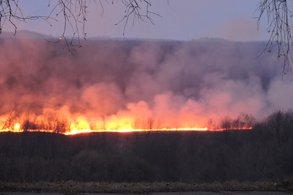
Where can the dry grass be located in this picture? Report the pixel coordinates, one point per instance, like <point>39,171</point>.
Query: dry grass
<point>70,187</point>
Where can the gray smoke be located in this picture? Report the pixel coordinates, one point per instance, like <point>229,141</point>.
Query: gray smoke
<point>173,83</point>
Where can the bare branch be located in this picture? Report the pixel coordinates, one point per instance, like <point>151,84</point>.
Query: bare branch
<point>137,10</point>
<point>280,37</point>
<point>73,14</point>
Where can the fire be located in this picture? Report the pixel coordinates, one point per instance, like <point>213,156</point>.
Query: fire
<point>80,124</point>
<point>16,127</point>
<point>146,86</point>
<point>123,124</point>
<point>115,123</point>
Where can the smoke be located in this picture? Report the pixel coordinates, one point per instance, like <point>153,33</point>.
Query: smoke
<point>241,29</point>
<point>151,84</point>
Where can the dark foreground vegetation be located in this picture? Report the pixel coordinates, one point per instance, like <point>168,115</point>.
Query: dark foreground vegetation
<point>263,154</point>
<point>73,187</point>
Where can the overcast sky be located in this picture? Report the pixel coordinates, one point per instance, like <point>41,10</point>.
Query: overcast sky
<point>180,20</point>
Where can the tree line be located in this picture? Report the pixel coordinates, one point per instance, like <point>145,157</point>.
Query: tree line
<point>264,153</point>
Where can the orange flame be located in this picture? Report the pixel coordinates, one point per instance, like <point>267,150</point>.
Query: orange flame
<point>82,125</point>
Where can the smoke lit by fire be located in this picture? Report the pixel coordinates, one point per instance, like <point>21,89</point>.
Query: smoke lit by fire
<point>129,86</point>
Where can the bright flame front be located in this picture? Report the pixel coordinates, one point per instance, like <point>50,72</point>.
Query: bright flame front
<point>121,124</point>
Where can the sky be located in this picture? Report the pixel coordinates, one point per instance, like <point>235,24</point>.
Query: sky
<point>178,20</point>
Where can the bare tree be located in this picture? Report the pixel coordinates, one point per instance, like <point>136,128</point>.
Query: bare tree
<point>278,17</point>
<point>74,14</point>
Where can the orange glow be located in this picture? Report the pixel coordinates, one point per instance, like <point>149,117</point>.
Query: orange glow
<point>16,127</point>
<point>73,125</point>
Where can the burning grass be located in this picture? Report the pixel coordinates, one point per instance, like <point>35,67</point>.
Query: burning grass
<point>130,124</point>
<point>146,86</point>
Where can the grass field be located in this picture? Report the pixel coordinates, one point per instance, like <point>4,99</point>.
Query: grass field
<point>150,162</point>
<point>70,187</point>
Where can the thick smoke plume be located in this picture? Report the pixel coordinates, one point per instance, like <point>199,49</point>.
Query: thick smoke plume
<point>137,84</point>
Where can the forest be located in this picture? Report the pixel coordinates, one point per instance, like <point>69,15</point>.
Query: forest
<point>261,154</point>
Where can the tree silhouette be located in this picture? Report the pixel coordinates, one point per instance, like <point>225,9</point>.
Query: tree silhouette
<point>73,13</point>
<point>278,17</point>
